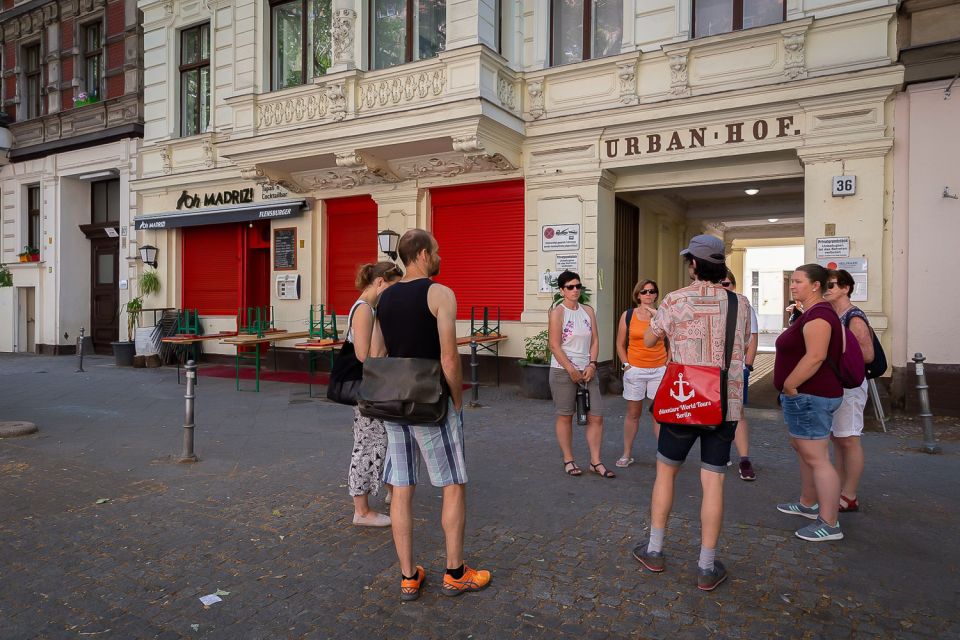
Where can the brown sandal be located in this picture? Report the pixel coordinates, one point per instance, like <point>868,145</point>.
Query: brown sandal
<point>574,469</point>
<point>606,473</point>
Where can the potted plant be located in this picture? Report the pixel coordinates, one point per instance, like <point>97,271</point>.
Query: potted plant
<point>6,278</point>
<point>536,366</point>
<point>144,337</point>
<point>124,351</point>
<point>29,254</point>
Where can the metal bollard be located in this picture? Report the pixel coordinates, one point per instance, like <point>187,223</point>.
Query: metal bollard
<point>80,350</point>
<point>188,455</point>
<point>474,379</point>
<point>929,444</point>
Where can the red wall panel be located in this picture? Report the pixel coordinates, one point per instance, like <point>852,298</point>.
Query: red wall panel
<point>351,242</point>
<point>480,232</point>
<point>212,268</point>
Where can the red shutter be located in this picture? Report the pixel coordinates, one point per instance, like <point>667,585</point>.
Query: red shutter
<point>480,232</point>
<point>351,242</point>
<point>212,270</point>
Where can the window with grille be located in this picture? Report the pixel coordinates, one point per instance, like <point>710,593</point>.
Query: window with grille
<point>300,49</point>
<point>406,30</point>
<point>195,80</point>
<point>92,58</point>
<point>755,289</point>
<point>33,79</point>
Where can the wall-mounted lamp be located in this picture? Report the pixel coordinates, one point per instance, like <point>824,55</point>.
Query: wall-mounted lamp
<point>388,239</point>
<point>148,255</point>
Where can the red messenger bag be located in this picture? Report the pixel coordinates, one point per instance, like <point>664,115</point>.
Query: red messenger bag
<point>696,395</point>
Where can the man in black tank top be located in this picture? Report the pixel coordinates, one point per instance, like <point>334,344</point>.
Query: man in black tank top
<point>416,318</point>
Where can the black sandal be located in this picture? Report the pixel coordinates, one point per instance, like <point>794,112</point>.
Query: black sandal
<point>574,469</point>
<point>606,472</point>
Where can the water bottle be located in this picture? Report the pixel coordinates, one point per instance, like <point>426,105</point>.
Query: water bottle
<point>583,403</point>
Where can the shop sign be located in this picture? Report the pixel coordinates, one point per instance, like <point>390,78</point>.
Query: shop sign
<point>833,247</point>
<point>556,237</point>
<point>729,133</point>
<point>236,196</point>
<point>568,261</point>
<point>270,191</point>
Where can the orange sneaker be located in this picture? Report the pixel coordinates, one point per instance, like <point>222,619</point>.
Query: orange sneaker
<point>472,580</point>
<point>410,589</point>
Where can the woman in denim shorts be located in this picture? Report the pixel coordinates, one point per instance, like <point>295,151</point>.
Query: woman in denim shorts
<point>810,394</point>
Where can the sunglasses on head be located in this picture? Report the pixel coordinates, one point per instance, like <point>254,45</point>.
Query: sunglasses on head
<point>648,292</point>
<point>571,287</point>
<point>725,283</point>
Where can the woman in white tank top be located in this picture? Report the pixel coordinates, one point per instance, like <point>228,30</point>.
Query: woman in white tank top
<point>575,344</point>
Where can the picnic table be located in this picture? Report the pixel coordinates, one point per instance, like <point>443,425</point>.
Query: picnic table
<point>190,340</point>
<point>256,340</point>
<point>473,341</point>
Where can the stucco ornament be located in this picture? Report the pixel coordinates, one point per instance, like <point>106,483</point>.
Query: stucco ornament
<point>292,110</point>
<point>627,74</point>
<point>166,159</point>
<point>506,92</point>
<point>535,91</point>
<point>337,101</point>
<point>399,90</point>
<point>794,59</point>
<point>342,33</point>
<point>679,77</point>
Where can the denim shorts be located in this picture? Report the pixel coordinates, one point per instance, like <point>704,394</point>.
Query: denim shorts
<point>809,417</point>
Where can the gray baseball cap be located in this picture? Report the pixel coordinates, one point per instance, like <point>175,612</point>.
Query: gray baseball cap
<point>705,247</point>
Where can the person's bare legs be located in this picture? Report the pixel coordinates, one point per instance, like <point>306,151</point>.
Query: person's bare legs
<point>808,490</point>
<point>711,507</point>
<point>741,439</point>
<point>815,454</point>
<point>631,424</point>
<point>594,436</point>
<point>401,519</point>
<point>848,456</point>
<point>662,500</point>
<point>361,506</point>
<point>454,518</point>
<point>564,429</point>
<point>656,428</point>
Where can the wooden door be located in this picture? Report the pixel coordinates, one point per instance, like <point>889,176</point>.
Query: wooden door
<point>104,293</point>
<point>626,260</point>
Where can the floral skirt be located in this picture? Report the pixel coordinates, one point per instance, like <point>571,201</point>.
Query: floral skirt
<point>369,451</point>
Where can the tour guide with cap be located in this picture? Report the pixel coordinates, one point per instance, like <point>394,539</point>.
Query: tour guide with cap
<point>693,319</point>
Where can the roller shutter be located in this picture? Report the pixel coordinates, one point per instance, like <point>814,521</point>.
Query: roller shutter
<point>212,269</point>
<point>351,242</point>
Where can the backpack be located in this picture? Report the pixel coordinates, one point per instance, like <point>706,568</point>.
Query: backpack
<point>851,369</point>
<point>879,365</point>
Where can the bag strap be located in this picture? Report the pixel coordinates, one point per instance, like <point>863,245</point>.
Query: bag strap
<point>628,319</point>
<point>733,308</point>
<point>843,350</point>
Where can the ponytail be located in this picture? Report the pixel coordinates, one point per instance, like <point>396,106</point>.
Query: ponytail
<point>369,272</point>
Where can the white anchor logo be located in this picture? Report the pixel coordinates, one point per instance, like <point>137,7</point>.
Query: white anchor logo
<point>680,395</point>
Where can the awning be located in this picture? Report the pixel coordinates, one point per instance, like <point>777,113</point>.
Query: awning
<point>221,215</point>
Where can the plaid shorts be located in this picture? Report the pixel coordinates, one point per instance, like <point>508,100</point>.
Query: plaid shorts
<point>440,445</point>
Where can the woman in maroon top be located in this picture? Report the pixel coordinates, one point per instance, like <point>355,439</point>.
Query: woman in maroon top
<point>810,394</point>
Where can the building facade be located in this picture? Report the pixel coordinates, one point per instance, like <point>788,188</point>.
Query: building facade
<point>529,136</point>
<point>72,90</point>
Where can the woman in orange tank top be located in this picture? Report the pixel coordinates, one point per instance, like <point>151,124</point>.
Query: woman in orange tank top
<point>643,368</point>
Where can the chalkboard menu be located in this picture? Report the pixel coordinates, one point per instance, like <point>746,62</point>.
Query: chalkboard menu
<point>285,249</point>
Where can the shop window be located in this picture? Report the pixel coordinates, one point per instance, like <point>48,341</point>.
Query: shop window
<point>711,17</point>
<point>213,268</point>
<point>585,29</point>
<point>480,230</point>
<point>300,48</point>
<point>406,30</point>
<point>195,80</point>
<point>32,81</point>
<point>92,58</point>
<point>33,216</point>
<point>105,201</point>
<point>351,242</point>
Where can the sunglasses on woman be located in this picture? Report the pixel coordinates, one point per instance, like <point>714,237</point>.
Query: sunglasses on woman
<point>571,287</point>
<point>831,285</point>
<point>648,292</point>
<point>725,283</point>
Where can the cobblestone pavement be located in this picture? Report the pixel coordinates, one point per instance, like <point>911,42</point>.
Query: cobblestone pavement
<point>265,516</point>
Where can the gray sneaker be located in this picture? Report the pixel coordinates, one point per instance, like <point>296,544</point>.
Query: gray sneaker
<point>708,580</point>
<point>652,560</point>
<point>797,509</point>
<point>820,531</point>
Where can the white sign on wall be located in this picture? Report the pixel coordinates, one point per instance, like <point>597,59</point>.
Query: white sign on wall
<point>568,261</point>
<point>851,265</point>
<point>844,186</point>
<point>556,237</point>
<point>546,281</point>
<point>859,293</point>
<point>833,247</point>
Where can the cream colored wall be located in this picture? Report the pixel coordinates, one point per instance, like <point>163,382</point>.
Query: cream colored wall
<point>934,222</point>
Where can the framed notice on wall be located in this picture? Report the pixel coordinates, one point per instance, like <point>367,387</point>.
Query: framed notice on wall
<point>285,249</point>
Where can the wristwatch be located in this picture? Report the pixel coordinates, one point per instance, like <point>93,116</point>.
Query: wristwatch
<point>625,366</point>
<point>748,367</point>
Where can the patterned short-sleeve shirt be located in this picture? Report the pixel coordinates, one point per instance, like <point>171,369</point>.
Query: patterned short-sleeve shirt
<point>695,321</point>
